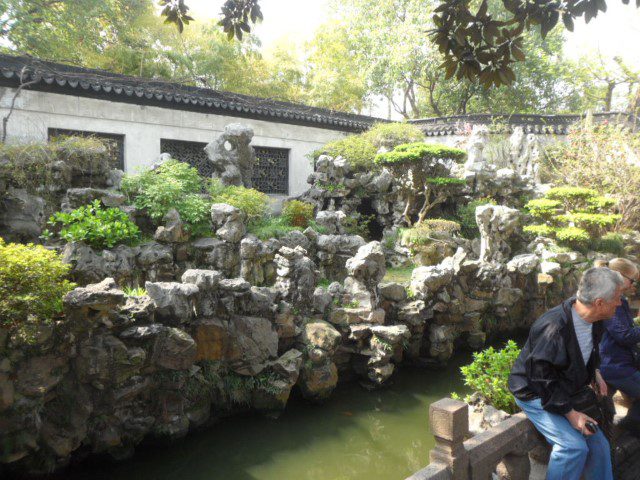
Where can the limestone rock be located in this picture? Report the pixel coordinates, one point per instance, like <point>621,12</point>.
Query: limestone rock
<point>496,223</point>
<point>296,278</point>
<point>174,302</point>
<point>212,339</point>
<point>78,197</point>
<point>428,280</point>
<point>524,264</point>
<point>550,268</point>
<point>253,342</point>
<point>368,265</point>
<point>318,382</point>
<point>21,215</point>
<point>228,222</point>
<point>39,375</point>
<point>231,155</point>
<point>86,265</point>
<point>174,349</point>
<point>394,292</point>
<point>172,230</point>
<point>321,334</point>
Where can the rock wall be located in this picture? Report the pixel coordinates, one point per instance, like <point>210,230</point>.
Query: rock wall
<point>122,369</point>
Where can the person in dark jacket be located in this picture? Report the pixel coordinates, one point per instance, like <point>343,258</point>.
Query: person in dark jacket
<point>619,344</point>
<point>559,359</point>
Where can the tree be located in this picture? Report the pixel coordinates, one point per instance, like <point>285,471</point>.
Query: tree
<point>481,47</point>
<point>384,40</point>
<point>485,45</point>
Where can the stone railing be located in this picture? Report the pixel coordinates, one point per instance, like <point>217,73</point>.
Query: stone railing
<point>457,457</point>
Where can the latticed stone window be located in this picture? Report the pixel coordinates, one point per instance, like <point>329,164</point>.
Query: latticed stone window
<point>113,142</point>
<point>189,152</point>
<point>270,173</point>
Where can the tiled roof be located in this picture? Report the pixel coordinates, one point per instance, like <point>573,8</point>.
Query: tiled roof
<point>543,124</point>
<point>70,80</point>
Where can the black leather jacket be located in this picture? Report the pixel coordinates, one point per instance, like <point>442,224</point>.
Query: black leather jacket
<point>550,366</point>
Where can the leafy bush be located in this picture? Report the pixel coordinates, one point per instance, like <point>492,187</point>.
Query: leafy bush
<point>603,158</point>
<point>611,243</point>
<point>253,203</point>
<point>358,224</point>
<point>32,284</point>
<point>358,150</point>
<point>488,375</point>
<point>467,216</point>
<point>272,227</point>
<point>297,213</point>
<point>96,226</point>
<point>172,185</point>
<point>390,135</point>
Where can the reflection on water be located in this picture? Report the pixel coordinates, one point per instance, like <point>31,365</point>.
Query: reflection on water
<point>356,435</point>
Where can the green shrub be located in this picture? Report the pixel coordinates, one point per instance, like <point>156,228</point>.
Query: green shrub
<point>543,208</point>
<point>594,223</point>
<point>356,149</point>
<point>441,225</point>
<point>574,216</point>
<point>95,225</point>
<point>297,213</point>
<point>423,233</point>
<point>539,230</point>
<point>573,236</point>
<point>358,224</point>
<point>32,284</point>
<point>271,227</point>
<point>573,198</point>
<point>467,216</point>
<point>488,375</point>
<point>389,135</point>
<point>253,203</point>
<point>610,243</point>
<point>415,152</point>
<point>172,185</point>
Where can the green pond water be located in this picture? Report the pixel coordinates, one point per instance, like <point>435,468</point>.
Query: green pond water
<point>356,434</point>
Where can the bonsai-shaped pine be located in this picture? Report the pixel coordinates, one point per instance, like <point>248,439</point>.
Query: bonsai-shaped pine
<point>575,216</point>
<point>423,170</point>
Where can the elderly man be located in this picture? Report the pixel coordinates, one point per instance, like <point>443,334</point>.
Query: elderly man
<point>557,364</point>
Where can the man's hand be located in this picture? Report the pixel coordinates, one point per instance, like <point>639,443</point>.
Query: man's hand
<point>603,389</point>
<point>578,420</point>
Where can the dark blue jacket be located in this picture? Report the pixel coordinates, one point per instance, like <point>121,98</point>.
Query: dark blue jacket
<point>618,342</point>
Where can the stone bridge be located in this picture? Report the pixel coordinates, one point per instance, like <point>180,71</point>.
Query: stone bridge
<point>512,449</point>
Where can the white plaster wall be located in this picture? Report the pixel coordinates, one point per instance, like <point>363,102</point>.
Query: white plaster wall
<point>144,126</point>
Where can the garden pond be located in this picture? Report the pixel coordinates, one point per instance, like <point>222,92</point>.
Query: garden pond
<point>356,434</point>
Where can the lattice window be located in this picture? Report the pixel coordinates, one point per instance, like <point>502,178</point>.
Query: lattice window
<point>113,142</point>
<point>189,152</point>
<point>270,173</point>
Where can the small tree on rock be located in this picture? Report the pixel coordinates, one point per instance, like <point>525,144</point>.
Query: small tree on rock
<point>423,171</point>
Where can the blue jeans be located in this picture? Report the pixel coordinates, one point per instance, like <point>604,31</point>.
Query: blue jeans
<point>630,386</point>
<point>573,454</point>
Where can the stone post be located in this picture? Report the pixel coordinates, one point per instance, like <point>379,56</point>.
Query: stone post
<point>450,426</point>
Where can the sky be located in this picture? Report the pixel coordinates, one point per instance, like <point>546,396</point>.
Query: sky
<point>616,32</point>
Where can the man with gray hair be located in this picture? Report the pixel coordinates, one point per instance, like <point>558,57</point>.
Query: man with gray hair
<point>552,377</point>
